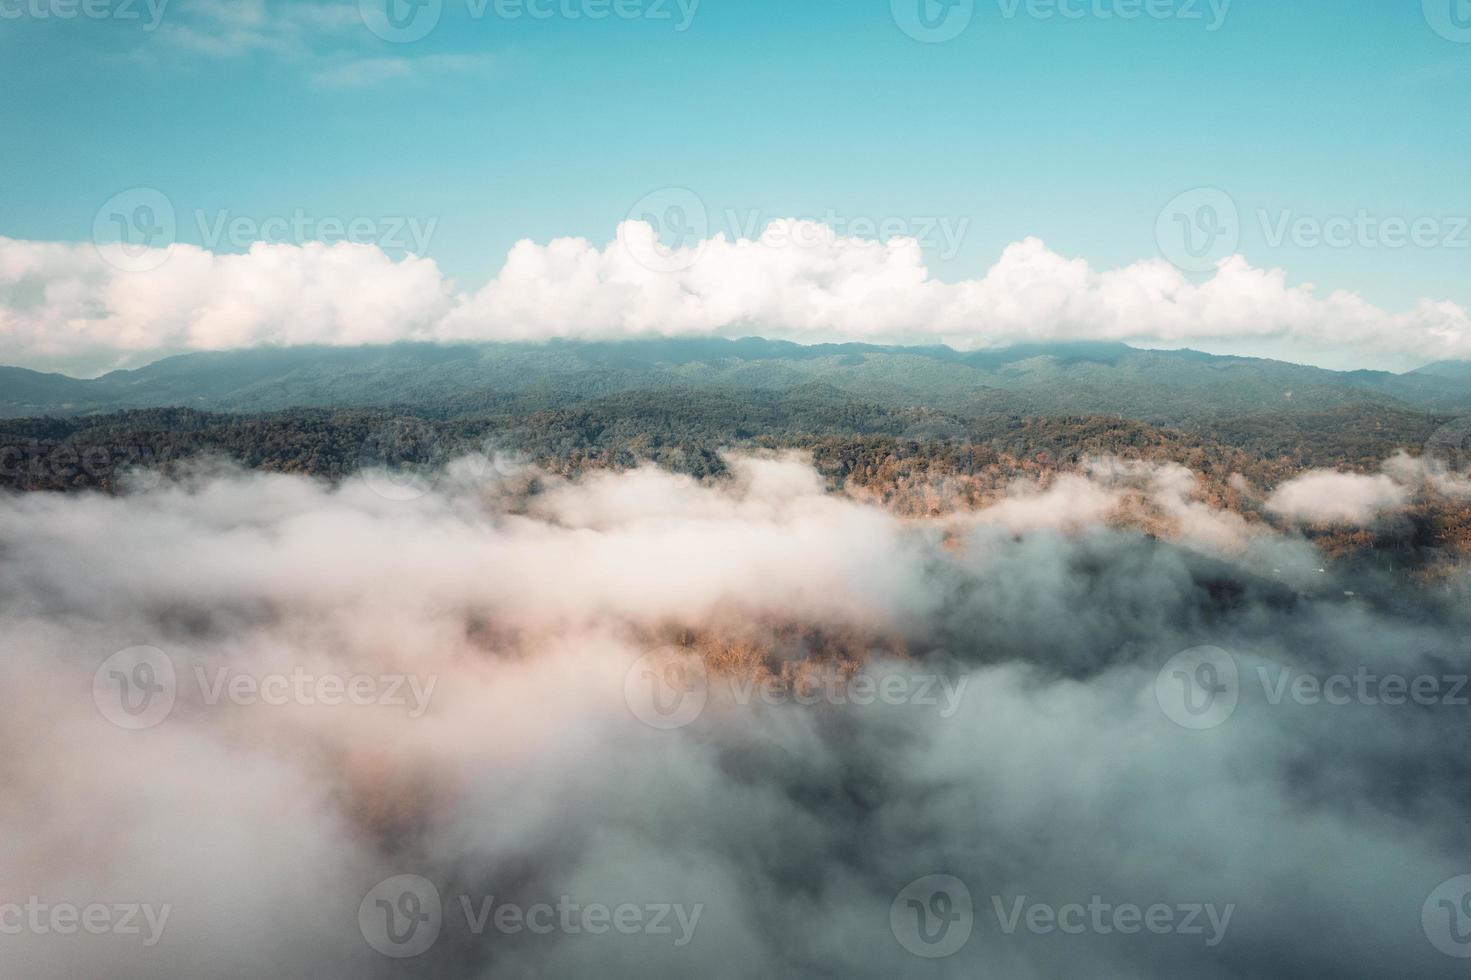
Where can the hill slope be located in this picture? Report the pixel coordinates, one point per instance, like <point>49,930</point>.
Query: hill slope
<point>1162,387</point>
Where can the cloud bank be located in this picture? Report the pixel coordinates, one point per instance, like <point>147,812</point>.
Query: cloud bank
<point>1327,498</point>
<point>73,307</point>
<point>1047,771</point>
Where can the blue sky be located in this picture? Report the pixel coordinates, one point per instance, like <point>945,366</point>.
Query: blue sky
<point>1076,130</point>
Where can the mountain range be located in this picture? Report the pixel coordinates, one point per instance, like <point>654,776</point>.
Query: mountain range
<point>1165,387</point>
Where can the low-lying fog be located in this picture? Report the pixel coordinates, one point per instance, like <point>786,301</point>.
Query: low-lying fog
<point>637,726</point>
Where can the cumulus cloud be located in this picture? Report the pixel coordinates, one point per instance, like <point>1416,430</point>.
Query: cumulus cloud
<point>820,286</point>
<point>64,305</point>
<point>1048,772</point>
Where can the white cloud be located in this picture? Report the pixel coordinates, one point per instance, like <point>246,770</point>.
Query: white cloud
<point>527,770</point>
<point>326,40</point>
<point>63,306</point>
<point>234,28</point>
<point>365,72</point>
<point>1427,473</point>
<point>1325,497</point>
<point>66,306</point>
<point>841,288</point>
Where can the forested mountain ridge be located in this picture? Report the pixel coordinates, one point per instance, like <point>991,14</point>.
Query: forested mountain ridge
<point>1161,387</point>
<point>921,428</point>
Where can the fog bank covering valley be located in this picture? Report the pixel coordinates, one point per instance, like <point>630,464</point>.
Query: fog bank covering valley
<point>761,704</point>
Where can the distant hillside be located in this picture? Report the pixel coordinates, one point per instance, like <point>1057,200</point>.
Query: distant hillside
<point>1450,370</point>
<point>22,390</point>
<point>1160,387</point>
